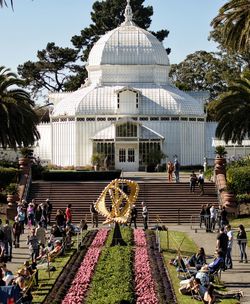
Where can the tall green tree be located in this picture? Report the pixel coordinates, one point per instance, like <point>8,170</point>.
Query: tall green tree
<point>232,110</point>
<point>51,71</point>
<point>233,22</point>
<point>59,69</point>
<point>204,71</point>
<point>18,120</point>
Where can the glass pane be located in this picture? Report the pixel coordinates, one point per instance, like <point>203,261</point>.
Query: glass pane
<point>122,155</point>
<point>131,155</point>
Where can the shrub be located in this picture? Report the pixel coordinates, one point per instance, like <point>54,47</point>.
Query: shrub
<point>239,179</point>
<point>243,198</point>
<point>209,173</point>
<point>12,188</point>
<point>8,175</point>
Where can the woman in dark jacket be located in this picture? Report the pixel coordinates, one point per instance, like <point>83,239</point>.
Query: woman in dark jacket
<point>198,260</point>
<point>242,242</point>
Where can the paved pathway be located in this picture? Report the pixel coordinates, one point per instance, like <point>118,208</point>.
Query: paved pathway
<point>19,255</point>
<point>236,278</point>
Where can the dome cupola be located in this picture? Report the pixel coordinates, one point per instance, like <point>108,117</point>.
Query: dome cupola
<point>128,53</point>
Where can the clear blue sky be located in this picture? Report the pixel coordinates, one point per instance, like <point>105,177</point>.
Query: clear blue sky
<point>35,23</point>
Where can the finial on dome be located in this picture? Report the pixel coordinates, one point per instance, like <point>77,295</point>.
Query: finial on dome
<point>128,14</point>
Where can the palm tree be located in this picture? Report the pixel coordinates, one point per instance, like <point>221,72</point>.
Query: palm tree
<point>18,119</point>
<point>233,110</point>
<point>3,2</point>
<point>234,21</point>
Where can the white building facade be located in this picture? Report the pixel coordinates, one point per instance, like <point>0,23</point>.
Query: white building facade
<point>126,108</point>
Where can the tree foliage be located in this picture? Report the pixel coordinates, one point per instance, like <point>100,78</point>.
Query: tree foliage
<point>233,22</point>
<point>204,71</point>
<point>3,2</point>
<point>232,110</point>
<point>58,69</point>
<point>17,118</point>
<point>52,69</point>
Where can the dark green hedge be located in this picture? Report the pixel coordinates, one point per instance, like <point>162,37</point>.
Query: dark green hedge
<point>8,175</point>
<point>238,179</point>
<point>80,175</point>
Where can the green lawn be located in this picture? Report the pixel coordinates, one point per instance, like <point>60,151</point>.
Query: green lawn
<point>46,282</point>
<point>188,247</point>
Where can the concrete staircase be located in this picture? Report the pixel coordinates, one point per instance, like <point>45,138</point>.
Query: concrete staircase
<point>169,202</point>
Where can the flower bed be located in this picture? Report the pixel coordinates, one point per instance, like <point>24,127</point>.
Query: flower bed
<point>145,287</point>
<point>63,282</point>
<point>160,273</point>
<point>115,274</point>
<point>113,279</point>
<point>81,282</point>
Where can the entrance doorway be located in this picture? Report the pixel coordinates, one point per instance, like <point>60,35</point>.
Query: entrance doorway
<point>127,157</point>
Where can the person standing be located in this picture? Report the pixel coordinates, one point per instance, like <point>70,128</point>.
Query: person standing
<point>222,243</point>
<point>208,218</point>
<point>41,234</point>
<point>229,262</point>
<point>201,182</point>
<point>213,216</point>
<point>177,167</point>
<point>133,217</point>
<point>31,214</point>
<point>94,215</point>
<point>170,170</point>
<point>193,181</point>
<point>49,210</point>
<point>223,214</point>
<point>33,243</point>
<point>242,242</point>
<point>202,215</point>
<point>7,230</point>
<point>68,214</point>
<point>17,229</point>
<point>145,215</point>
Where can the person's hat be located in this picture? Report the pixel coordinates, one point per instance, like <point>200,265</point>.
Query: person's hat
<point>31,204</point>
<point>58,242</point>
<point>19,204</point>
<point>204,268</point>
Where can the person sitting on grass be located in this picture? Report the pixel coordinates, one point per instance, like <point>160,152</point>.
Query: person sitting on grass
<point>53,253</point>
<point>198,260</point>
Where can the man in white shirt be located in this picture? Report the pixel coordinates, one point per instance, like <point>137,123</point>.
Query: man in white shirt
<point>228,261</point>
<point>213,215</point>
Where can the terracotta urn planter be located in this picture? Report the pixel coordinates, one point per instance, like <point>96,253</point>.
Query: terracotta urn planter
<point>221,181</point>
<point>12,199</point>
<point>220,161</point>
<point>220,169</point>
<point>24,164</point>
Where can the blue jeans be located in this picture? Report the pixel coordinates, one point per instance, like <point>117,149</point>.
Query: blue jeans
<point>228,261</point>
<point>243,254</point>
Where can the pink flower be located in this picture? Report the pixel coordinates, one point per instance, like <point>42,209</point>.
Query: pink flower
<point>144,282</point>
<point>81,282</point>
